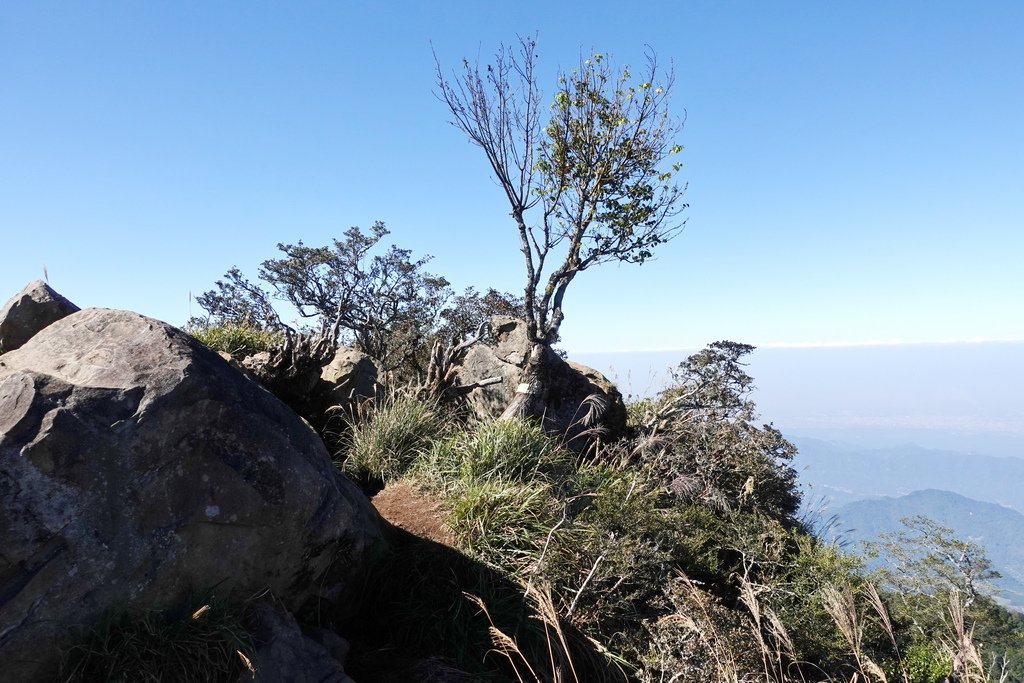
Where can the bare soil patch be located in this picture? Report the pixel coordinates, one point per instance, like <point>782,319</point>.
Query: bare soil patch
<point>412,509</point>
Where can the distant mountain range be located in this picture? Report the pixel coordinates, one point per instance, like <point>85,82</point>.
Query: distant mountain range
<point>999,530</point>
<point>852,403</point>
<point>867,491</point>
<point>841,474</point>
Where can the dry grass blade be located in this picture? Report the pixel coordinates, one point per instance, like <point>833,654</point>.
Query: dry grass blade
<point>694,617</point>
<point>876,603</point>
<point>246,661</point>
<point>548,613</point>
<point>771,656</point>
<point>505,644</point>
<point>878,606</point>
<point>840,604</point>
<point>968,663</point>
<point>780,634</point>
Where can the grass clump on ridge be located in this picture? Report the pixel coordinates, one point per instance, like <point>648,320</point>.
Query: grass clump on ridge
<point>504,523</point>
<point>503,450</point>
<point>497,478</point>
<point>388,437</point>
<point>236,340</point>
<point>208,645</point>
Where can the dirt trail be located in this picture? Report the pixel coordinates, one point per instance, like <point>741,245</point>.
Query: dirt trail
<point>413,510</point>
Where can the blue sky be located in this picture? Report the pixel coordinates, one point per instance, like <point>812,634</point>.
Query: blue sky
<point>856,170</point>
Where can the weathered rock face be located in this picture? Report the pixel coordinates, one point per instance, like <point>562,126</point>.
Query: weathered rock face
<point>580,398</point>
<point>284,654</point>
<point>293,384</point>
<point>350,376</point>
<point>314,389</point>
<point>29,311</point>
<point>136,464</point>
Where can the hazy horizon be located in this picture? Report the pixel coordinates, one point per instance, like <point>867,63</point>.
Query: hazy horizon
<point>958,396</point>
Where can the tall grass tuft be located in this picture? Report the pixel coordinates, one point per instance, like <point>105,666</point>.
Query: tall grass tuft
<point>507,450</point>
<point>388,437</point>
<point>209,644</point>
<point>234,339</point>
<point>503,523</point>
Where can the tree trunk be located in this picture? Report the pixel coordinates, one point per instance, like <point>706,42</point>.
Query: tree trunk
<point>531,398</point>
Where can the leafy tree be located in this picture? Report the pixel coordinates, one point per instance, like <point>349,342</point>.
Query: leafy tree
<point>467,311</point>
<point>708,444</point>
<point>591,185</point>
<point>385,302</point>
<point>927,568</point>
<point>237,302</point>
<point>925,558</point>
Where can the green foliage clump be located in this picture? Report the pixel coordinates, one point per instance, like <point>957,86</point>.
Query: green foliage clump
<point>608,563</point>
<point>698,638</point>
<point>703,440</point>
<point>506,450</point>
<point>386,439</point>
<point>926,571</point>
<point>924,663</point>
<point>498,477</point>
<point>637,409</point>
<point>796,584</point>
<point>503,523</point>
<point>205,644</point>
<point>235,339</point>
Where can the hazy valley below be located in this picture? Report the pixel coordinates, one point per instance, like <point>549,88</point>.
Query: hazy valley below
<point>890,431</point>
<point>996,528</point>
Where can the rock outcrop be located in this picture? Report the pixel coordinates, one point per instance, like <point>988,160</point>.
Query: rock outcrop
<point>136,464</point>
<point>316,388</point>
<point>29,311</point>
<point>284,654</point>
<point>350,376</point>
<point>581,402</point>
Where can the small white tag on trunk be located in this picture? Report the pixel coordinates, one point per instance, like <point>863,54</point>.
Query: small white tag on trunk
<point>523,388</point>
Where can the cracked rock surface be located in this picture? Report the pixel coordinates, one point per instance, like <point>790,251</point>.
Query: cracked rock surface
<point>29,311</point>
<point>582,402</point>
<point>136,464</point>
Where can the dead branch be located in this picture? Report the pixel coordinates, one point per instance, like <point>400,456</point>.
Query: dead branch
<point>441,370</point>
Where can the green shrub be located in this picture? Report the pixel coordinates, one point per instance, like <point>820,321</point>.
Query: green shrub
<point>236,340</point>
<point>386,440</point>
<point>926,664</point>
<point>708,446</point>
<point>612,558</point>
<point>637,410</point>
<point>698,640</point>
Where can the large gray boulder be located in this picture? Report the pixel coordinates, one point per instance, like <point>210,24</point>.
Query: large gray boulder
<point>351,376</point>
<point>319,388</point>
<point>30,310</point>
<point>136,464</point>
<point>582,403</point>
